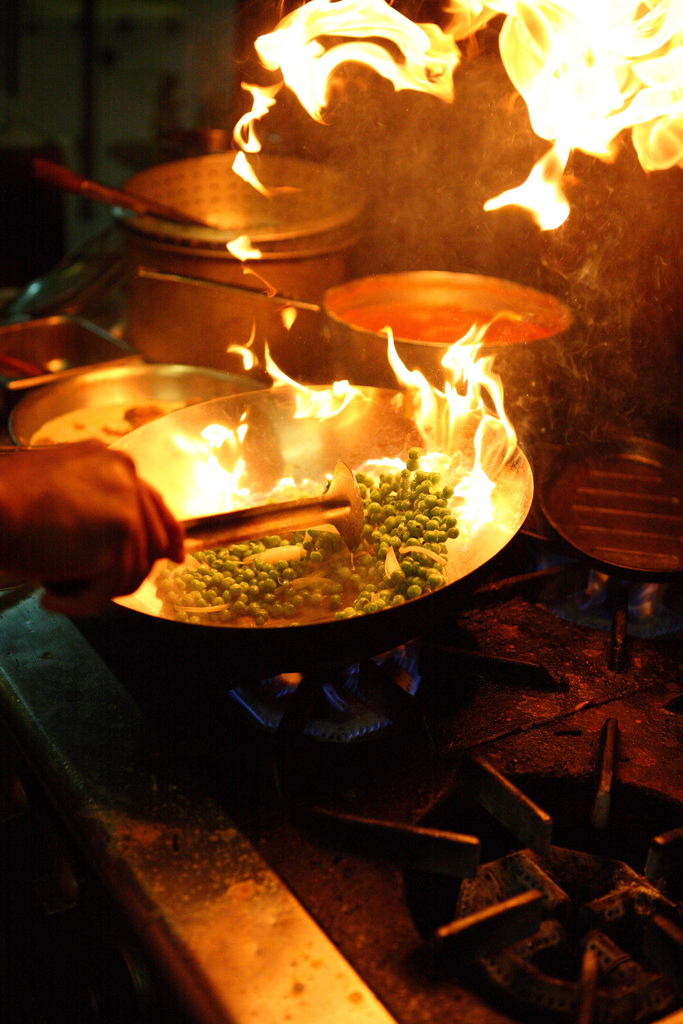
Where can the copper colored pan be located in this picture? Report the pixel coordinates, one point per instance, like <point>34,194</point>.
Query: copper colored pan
<point>171,454</point>
<point>620,506</point>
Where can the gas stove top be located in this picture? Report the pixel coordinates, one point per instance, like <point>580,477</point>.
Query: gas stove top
<point>262,869</point>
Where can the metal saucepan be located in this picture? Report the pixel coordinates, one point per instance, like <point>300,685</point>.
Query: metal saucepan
<point>428,311</point>
<point>171,454</point>
<point>303,229</point>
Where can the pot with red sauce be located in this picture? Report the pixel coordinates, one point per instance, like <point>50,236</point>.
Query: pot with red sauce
<point>428,311</point>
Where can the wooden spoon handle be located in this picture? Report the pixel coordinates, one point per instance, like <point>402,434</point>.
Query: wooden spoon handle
<point>65,179</point>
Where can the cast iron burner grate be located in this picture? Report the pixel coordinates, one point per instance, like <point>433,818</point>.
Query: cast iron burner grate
<point>592,904</point>
<point>547,932</point>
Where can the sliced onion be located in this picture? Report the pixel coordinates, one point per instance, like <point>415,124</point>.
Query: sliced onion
<point>391,564</point>
<point>286,553</point>
<point>424,551</point>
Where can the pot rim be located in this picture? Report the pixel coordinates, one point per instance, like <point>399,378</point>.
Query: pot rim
<point>435,288</point>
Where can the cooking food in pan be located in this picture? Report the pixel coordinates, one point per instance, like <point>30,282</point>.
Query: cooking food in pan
<point>103,422</point>
<point>312,574</point>
<point>108,402</point>
<point>283,449</point>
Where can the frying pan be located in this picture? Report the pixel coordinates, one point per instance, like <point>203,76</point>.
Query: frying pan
<point>171,455</point>
<point>619,505</point>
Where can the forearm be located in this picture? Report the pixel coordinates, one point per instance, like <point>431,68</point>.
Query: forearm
<point>80,513</point>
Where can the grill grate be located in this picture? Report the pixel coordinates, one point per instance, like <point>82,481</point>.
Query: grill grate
<point>620,506</point>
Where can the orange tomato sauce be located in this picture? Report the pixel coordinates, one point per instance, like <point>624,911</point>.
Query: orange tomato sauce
<point>442,325</point>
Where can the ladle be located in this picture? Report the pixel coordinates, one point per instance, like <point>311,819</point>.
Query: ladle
<point>65,179</point>
<point>341,505</point>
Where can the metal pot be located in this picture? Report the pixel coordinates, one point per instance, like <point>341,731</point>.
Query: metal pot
<point>132,385</point>
<point>430,310</point>
<point>378,424</point>
<point>303,231</point>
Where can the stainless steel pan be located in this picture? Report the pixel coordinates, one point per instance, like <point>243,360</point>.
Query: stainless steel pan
<point>124,384</point>
<point>170,453</point>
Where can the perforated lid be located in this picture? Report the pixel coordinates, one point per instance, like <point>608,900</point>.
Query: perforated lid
<point>306,199</point>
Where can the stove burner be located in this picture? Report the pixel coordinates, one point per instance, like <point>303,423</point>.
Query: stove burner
<point>589,598</point>
<point>345,708</point>
<point>591,903</point>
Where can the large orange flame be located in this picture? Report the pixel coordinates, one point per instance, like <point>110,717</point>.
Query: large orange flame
<point>467,438</point>
<point>587,69</point>
<point>429,55</point>
<point>428,60</point>
<point>466,434</point>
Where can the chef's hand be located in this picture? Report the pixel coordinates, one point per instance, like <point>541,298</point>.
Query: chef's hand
<point>78,519</point>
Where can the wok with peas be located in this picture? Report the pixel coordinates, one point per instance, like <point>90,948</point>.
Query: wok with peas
<point>285,600</point>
